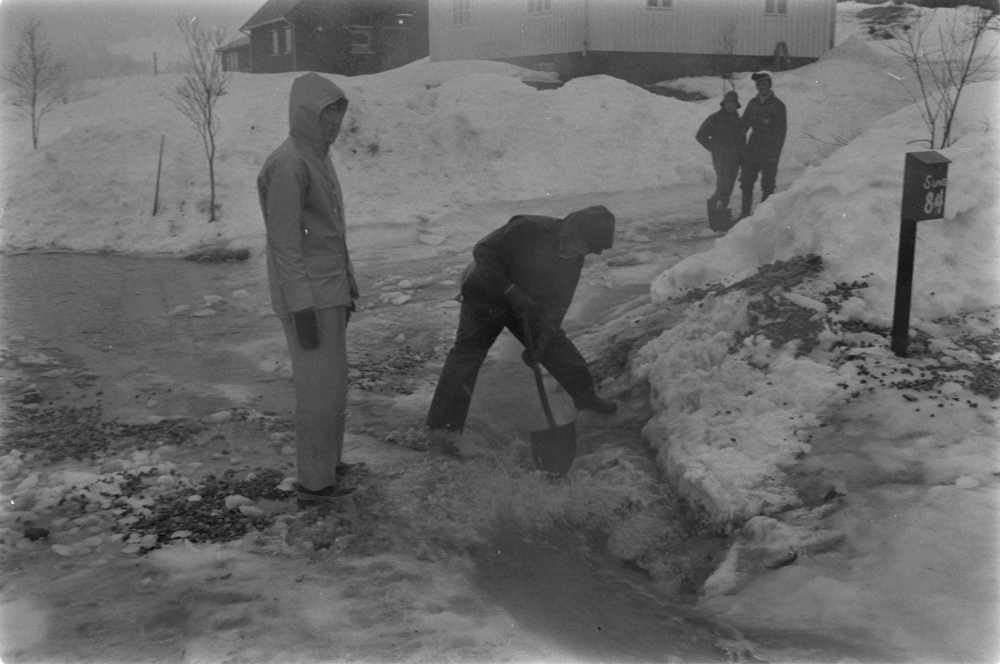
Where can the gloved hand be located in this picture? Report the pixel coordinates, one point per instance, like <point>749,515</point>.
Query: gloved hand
<point>541,335</point>
<point>306,328</point>
<point>348,310</point>
<point>520,301</point>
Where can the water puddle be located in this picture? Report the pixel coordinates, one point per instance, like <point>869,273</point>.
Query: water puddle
<point>592,607</point>
<point>112,313</point>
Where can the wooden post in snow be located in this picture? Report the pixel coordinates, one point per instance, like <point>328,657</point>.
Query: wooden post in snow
<point>159,166</point>
<point>925,180</point>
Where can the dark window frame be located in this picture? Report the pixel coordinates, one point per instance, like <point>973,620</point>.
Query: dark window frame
<point>539,7</point>
<point>776,8</point>
<point>461,13</point>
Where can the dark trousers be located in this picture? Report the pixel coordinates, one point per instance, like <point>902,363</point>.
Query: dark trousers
<point>479,325</point>
<point>768,170</point>
<point>726,170</point>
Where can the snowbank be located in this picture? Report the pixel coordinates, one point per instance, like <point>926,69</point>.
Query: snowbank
<point>847,211</point>
<point>418,143</point>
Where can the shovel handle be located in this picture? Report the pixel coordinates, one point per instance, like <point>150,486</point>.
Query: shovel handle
<point>530,343</point>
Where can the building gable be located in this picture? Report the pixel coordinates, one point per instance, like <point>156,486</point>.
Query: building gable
<point>270,11</point>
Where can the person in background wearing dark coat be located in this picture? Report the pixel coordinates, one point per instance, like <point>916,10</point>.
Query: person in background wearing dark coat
<point>766,121</point>
<point>527,269</point>
<point>722,134</point>
<point>311,279</point>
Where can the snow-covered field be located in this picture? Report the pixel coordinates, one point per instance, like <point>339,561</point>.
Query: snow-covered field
<point>747,429</point>
<point>420,141</point>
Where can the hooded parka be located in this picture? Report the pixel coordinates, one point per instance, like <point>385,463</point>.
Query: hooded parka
<point>308,265</point>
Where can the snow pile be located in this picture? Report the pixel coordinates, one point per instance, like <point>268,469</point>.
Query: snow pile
<point>418,143</point>
<point>847,211</point>
<point>737,398</point>
<point>727,423</point>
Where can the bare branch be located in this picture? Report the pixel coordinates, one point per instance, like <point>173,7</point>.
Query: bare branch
<point>725,46</point>
<point>943,72</point>
<point>834,139</point>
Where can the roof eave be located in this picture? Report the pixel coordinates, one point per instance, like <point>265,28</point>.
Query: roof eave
<point>248,27</point>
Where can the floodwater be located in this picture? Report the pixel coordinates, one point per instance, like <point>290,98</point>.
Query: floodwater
<point>112,313</point>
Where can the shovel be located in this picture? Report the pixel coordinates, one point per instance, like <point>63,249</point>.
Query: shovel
<point>553,449</point>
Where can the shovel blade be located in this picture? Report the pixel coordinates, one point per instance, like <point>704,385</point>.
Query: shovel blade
<point>554,449</point>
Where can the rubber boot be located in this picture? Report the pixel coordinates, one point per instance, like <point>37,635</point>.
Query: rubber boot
<point>442,442</point>
<point>747,204</point>
<point>595,403</point>
<point>713,215</point>
<point>725,219</point>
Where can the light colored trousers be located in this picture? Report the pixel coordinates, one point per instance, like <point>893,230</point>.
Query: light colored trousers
<point>320,379</point>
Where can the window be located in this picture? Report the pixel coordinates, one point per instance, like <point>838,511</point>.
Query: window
<point>776,7</point>
<point>460,14</point>
<point>275,46</point>
<point>659,4</point>
<point>539,6</point>
<point>288,39</point>
<point>361,39</point>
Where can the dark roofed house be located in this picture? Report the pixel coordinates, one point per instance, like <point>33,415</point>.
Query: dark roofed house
<point>336,36</point>
<point>236,55</point>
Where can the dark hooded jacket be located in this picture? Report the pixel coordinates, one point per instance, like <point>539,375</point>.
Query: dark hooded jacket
<point>525,251</point>
<point>307,260</point>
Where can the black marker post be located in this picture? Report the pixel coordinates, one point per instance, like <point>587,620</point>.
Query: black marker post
<point>925,179</point>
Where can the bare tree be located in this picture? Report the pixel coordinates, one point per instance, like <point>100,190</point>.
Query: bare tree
<point>944,57</point>
<point>204,82</point>
<point>725,47</point>
<point>35,77</point>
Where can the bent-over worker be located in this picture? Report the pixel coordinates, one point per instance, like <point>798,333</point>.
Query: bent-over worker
<point>527,269</point>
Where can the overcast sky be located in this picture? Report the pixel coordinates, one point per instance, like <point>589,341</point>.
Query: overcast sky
<point>115,37</point>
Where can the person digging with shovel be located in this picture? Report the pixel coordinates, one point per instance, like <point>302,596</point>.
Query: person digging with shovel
<point>523,278</point>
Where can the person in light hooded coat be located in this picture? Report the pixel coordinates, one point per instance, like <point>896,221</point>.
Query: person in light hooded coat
<point>311,278</point>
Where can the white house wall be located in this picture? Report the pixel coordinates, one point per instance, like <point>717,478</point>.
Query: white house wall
<point>504,29</point>
<point>700,26</point>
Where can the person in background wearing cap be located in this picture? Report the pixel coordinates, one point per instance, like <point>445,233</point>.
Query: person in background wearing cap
<point>722,134</point>
<point>311,279</point>
<point>527,269</point>
<point>765,118</point>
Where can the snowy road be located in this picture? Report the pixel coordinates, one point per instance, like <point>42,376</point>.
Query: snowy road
<point>146,338</point>
<point>434,576</point>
